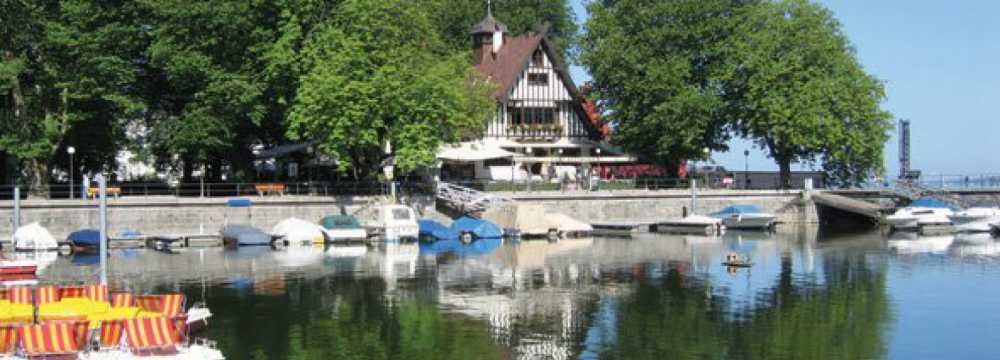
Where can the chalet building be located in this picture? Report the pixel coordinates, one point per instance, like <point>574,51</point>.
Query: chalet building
<point>540,126</point>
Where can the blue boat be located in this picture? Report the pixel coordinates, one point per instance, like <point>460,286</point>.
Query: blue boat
<point>470,229</point>
<point>85,240</point>
<point>244,235</point>
<point>431,230</point>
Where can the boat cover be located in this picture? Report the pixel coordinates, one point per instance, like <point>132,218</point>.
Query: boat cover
<point>930,203</point>
<point>298,231</point>
<point>480,229</point>
<point>246,235</point>
<point>435,230</point>
<point>85,237</point>
<point>476,248</point>
<point>34,237</point>
<point>736,210</point>
<point>340,222</point>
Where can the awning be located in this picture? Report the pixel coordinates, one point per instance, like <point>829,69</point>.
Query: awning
<point>472,151</point>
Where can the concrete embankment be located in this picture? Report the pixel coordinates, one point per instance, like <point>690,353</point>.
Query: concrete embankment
<point>183,216</point>
<point>649,206</point>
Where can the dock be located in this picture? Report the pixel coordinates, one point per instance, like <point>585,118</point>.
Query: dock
<point>620,229</point>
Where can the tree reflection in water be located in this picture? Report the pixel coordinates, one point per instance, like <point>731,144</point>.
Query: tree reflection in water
<point>846,316</point>
<point>342,318</point>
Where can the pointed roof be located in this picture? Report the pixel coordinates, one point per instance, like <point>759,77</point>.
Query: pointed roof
<point>489,25</point>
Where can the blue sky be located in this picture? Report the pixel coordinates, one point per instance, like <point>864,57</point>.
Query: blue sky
<point>939,60</point>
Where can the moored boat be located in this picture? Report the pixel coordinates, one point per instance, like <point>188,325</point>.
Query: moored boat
<point>975,219</point>
<point>34,237</point>
<point>746,217</point>
<point>13,267</point>
<point>920,213</point>
<point>234,235</point>
<point>298,232</point>
<point>341,228</point>
<point>393,222</point>
<point>85,241</point>
<point>470,229</point>
<point>431,230</point>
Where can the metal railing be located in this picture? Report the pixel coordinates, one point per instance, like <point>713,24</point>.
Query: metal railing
<point>348,188</point>
<point>592,185</point>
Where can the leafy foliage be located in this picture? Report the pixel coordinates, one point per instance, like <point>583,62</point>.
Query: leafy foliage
<point>677,76</point>
<point>377,74</point>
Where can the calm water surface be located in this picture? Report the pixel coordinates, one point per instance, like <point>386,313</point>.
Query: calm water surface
<point>808,296</point>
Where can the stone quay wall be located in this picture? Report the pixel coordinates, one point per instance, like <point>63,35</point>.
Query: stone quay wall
<point>651,206</point>
<point>183,216</point>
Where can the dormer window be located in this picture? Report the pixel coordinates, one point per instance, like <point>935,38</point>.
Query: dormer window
<point>538,58</point>
<point>541,79</point>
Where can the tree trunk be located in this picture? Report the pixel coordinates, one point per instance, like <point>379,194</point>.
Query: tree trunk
<point>186,169</point>
<point>785,173</point>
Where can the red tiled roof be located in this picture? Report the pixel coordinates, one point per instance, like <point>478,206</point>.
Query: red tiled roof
<point>504,67</point>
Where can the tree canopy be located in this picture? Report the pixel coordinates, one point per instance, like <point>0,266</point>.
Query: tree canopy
<point>677,76</point>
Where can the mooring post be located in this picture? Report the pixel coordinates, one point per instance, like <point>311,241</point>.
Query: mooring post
<point>102,189</point>
<point>17,213</point>
<point>694,195</point>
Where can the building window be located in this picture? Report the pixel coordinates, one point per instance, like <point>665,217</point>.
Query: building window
<point>531,115</point>
<point>538,79</point>
<point>538,58</point>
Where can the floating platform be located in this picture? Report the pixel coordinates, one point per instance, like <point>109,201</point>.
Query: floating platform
<point>693,225</point>
<point>619,229</point>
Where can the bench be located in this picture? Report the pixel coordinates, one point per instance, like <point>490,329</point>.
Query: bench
<point>270,188</point>
<point>92,192</point>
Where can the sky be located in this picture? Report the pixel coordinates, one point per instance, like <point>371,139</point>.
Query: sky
<point>940,61</point>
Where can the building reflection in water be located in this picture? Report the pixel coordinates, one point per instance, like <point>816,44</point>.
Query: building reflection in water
<point>652,296</point>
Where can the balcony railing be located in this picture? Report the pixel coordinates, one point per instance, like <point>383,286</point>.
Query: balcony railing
<point>536,131</point>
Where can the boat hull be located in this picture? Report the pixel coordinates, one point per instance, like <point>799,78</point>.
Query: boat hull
<point>970,223</point>
<point>749,222</point>
<point>17,269</point>
<point>345,235</point>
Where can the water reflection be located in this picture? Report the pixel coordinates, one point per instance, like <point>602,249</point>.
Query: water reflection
<point>653,296</point>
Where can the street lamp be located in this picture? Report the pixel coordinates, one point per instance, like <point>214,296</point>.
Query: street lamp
<point>530,153</point>
<point>71,150</point>
<point>600,169</point>
<point>746,169</point>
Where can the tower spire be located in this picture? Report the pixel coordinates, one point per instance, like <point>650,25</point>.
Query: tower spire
<point>489,7</point>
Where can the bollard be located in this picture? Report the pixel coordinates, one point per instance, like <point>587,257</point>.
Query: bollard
<point>102,190</point>
<point>17,211</point>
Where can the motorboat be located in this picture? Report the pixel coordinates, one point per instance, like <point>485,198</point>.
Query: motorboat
<point>34,237</point>
<point>745,217</point>
<point>298,232</point>
<point>244,235</point>
<point>975,219</point>
<point>431,230</point>
<point>85,241</point>
<point>470,229</point>
<point>736,261</point>
<point>339,228</point>
<point>920,213</point>
<point>691,224</point>
<point>17,267</point>
<point>394,222</point>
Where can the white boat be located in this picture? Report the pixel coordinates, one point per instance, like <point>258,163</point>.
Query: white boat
<point>920,213</point>
<point>34,237</point>
<point>341,228</point>
<point>976,219</point>
<point>298,232</point>
<point>691,224</point>
<point>747,217</point>
<point>394,222</point>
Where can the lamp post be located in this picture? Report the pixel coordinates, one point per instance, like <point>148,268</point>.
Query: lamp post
<point>746,169</point>
<point>530,153</point>
<point>600,169</point>
<point>70,150</point>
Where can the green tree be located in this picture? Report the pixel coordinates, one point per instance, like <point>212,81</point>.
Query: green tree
<point>659,68</point>
<point>207,102</point>
<point>65,63</point>
<point>378,73</point>
<point>677,76</point>
<point>454,18</point>
<point>800,93</point>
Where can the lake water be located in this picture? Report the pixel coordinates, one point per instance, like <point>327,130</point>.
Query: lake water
<point>808,296</point>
